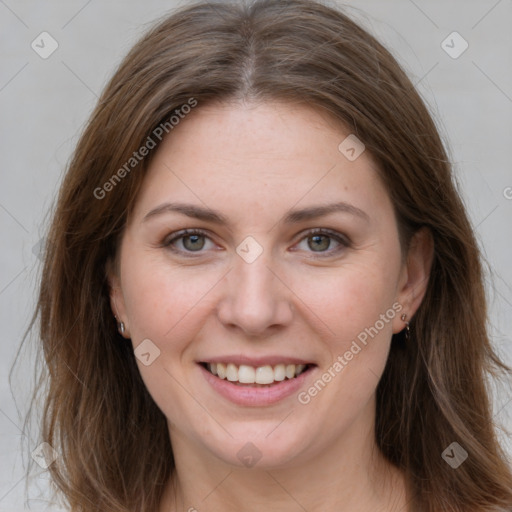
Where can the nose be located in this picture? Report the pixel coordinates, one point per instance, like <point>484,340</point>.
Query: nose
<point>255,299</point>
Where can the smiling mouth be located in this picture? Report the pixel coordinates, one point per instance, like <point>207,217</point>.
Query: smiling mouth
<point>250,376</point>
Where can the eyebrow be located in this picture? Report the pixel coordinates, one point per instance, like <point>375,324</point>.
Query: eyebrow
<point>292,217</point>
<point>314,212</point>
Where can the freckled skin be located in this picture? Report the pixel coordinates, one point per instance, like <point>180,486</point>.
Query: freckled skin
<point>253,163</point>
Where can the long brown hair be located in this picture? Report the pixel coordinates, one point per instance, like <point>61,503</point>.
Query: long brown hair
<point>113,443</point>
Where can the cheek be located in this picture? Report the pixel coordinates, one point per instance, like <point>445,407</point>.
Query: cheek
<point>357,305</point>
<point>162,302</point>
<point>351,300</point>
<point>167,306</point>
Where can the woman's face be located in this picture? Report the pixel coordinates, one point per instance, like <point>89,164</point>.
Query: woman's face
<point>275,277</point>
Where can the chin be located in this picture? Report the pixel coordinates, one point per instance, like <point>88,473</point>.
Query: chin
<point>258,451</point>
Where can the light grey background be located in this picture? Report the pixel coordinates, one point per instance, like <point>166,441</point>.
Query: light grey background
<point>45,102</point>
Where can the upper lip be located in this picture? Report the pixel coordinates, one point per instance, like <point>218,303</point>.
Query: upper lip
<point>256,361</point>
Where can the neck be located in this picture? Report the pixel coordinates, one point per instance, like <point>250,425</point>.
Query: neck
<point>350,474</point>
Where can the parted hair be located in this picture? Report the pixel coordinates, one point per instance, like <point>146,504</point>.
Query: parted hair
<point>114,449</point>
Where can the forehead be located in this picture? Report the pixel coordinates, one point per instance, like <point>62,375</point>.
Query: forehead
<point>259,157</point>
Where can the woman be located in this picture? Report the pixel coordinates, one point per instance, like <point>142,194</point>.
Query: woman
<point>261,290</point>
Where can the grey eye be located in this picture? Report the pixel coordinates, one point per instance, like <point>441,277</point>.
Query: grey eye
<point>319,243</point>
<point>195,242</point>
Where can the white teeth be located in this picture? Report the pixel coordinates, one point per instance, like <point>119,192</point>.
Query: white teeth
<point>264,375</point>
<point>279,372</point>
<point>290,371</point>
<point>232,372</point>
<point>221,370</point>
<point>249,375</point>
<point>246,374</point>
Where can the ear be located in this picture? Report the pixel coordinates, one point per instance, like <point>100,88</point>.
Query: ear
<point>414,276</point>
<point>117,304</point>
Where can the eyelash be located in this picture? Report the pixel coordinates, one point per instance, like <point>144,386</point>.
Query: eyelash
<point>341,239</point>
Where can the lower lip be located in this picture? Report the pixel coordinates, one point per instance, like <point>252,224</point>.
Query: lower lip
<point>253,396</point>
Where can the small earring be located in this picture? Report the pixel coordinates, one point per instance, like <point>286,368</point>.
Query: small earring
<point>120,325</point>
<point>407,328</point>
